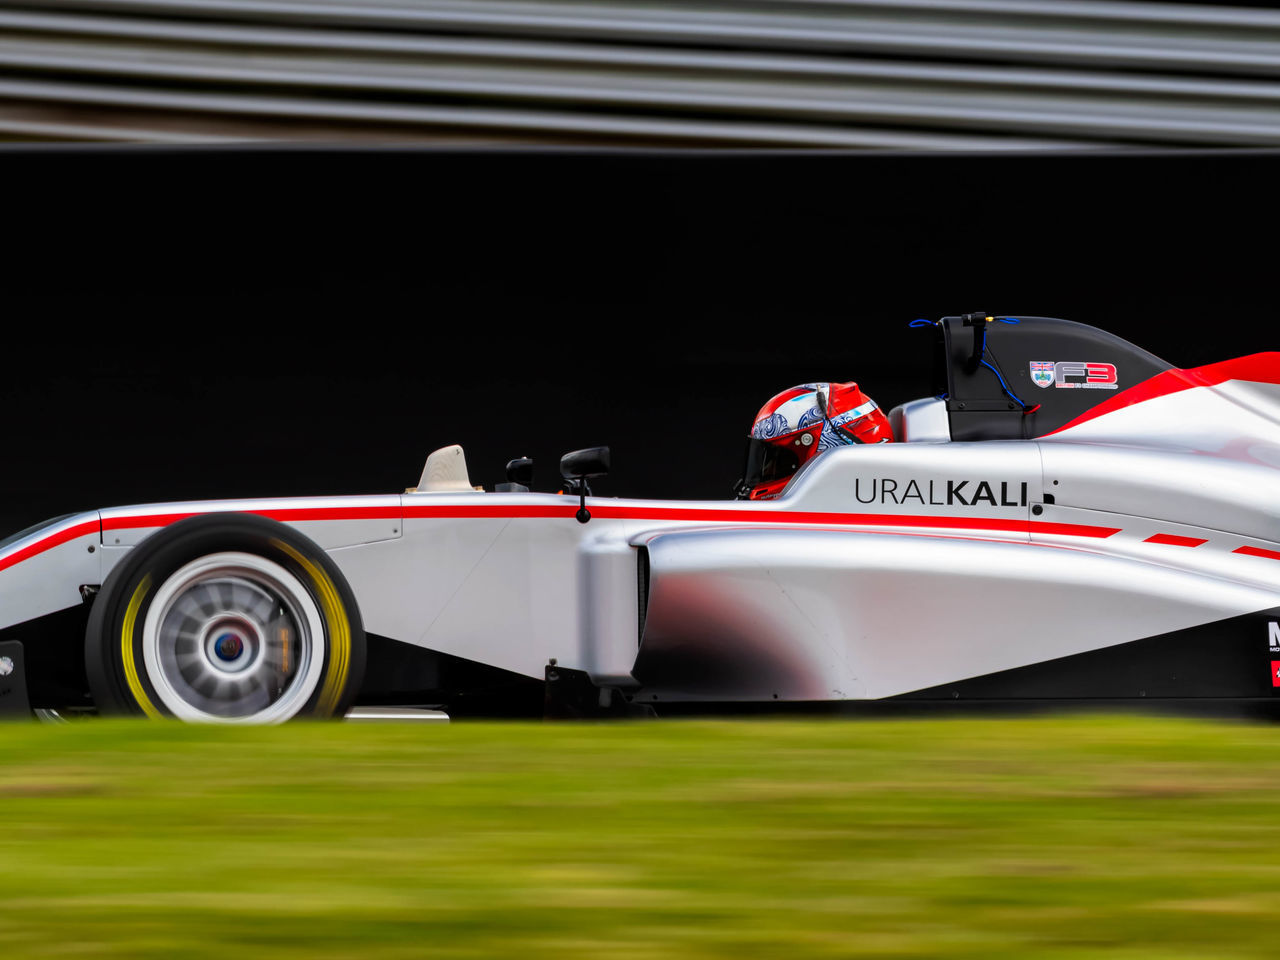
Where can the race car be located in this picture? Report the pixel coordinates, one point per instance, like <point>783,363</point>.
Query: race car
<point>1064,517</point>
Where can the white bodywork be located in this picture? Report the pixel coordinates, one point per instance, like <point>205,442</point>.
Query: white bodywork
<point>847,586</point>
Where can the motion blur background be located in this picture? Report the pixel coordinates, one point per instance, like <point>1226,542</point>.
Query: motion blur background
<point>528,227</point>
<point>906,74</point>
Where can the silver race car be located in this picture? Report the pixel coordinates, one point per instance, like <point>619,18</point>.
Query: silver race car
<point>1069,518</point>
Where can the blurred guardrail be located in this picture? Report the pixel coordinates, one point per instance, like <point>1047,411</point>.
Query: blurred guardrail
<point>916,74</point>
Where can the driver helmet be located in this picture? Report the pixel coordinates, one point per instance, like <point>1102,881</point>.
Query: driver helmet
<point>801,422</point>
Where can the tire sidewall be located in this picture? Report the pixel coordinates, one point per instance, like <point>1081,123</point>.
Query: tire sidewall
<point>114,656</point>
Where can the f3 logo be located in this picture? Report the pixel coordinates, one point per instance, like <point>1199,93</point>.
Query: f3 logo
<point>1074,375</point>
<point>1094,374</point>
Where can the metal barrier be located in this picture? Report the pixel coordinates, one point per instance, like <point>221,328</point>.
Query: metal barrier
<point>911,74</point>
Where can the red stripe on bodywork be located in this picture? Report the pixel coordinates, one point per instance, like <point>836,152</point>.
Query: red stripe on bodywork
<point>481,511</point>
<point>49,542</point>
<point>859,520</point>
<point>149,520</point>
<point>1257,367</point>
<point>1257,552</point>
<point>299,514</point>
<point>284,514</point>
<point>567,510</point>
<point>501,511</point>
<point>695,514</point>
<point>1169,539</point>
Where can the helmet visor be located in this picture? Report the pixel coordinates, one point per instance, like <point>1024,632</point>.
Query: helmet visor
<point>767,463</point>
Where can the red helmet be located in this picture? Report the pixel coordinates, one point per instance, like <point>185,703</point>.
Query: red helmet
<point>801,422</point>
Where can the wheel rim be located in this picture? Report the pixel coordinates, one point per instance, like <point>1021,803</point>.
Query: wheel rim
<point>233,638</point>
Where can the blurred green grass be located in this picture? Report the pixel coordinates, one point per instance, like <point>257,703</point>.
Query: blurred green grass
<point>1099,836</point>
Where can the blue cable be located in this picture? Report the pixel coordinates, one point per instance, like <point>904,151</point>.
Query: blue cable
<point>921,322</point>
<point>1003,385</point>
<point>982,360</point>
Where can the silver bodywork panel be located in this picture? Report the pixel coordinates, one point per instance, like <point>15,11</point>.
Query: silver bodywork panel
<point>832,615</point>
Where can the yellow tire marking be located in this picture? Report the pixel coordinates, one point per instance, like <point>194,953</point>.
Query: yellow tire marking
<point>339,631</point>
<point>126,649</point>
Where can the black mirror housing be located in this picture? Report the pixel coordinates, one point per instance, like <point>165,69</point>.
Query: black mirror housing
<point>577,467</point>
<point>520,470</point>
<point>581,464</point>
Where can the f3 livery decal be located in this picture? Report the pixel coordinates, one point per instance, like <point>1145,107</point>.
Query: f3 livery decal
<point>1074,375</point>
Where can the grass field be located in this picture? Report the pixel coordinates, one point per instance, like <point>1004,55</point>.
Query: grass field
<point>1081,836</point>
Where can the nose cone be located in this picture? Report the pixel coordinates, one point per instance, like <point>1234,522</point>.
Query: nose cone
<point>42,567</point>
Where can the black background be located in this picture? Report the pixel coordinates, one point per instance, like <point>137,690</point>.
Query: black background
<point>190,324</point>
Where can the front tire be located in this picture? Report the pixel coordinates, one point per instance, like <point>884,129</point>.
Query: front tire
<point>225,618</point>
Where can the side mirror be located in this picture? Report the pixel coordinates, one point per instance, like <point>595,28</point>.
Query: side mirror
<point>519,476</point>
<point>520,470</point>
<point>578,466</point>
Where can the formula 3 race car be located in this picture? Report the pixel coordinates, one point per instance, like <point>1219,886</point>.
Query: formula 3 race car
<point>1069,519</point>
